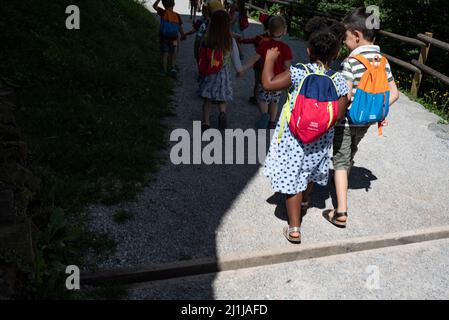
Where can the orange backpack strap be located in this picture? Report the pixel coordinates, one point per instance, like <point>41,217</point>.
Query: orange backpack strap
<point>363,61</point>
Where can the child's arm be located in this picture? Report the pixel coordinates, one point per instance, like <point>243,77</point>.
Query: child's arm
<point>394,92</point>
<point>270,82</point>
<point>350,85</point>
<point>251,62</point>
<point>248,40</point>
<point>343,104</point>
<point>190,32</point>
<point>156,5</point>
<point>183,35</point>
<point>236,59</point>
<point>348,75</point>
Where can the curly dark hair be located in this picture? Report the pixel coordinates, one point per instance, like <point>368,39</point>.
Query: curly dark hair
<point>325,39</point>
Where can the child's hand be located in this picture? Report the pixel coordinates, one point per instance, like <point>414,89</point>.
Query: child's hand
<point>239,74</point>
<point>183,37</point>
<point>272,54</point>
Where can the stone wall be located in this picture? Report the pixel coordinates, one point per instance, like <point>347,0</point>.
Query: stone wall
<point>17,187</point>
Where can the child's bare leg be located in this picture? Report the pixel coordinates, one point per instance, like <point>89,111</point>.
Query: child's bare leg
<point>222,107</point>
<point>341,188</point>
<point>273,111</point>
<point>293,204</point>
<point>207,104</point>
<point>222,122</point>
<point>306,194</point>
<point>263,107</point>
<point>165,61</point>
<point>172,59</point>
<point>256,90</point>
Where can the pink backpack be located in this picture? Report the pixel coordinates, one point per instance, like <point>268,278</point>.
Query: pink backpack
<point>315,108</point>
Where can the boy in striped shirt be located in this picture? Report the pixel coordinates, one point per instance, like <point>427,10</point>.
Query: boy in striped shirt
<point>360,40</point>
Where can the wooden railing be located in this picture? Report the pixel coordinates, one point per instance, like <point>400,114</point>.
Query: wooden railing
<point>291,9</point>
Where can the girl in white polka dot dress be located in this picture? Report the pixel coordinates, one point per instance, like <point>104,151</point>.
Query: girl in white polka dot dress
<point>292,166</point>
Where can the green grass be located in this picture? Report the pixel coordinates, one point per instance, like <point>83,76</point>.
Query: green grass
<point>90,107</point>
<point>91,100</point>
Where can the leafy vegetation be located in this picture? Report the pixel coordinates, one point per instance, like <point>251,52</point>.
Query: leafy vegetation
<point>90,107</point>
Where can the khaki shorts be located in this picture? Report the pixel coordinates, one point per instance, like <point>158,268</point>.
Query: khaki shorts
<point>346,141</point>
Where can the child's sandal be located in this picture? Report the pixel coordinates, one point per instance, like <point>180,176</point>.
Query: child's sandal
<point>335,216</point>
<point>288,231</point>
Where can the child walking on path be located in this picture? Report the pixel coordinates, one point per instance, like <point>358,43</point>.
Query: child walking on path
<point>193,9</point>
<point>268,100</point>
<point>291,165</point>
<point>265,19</point>
<point>171,27</point>
<point>360,40</point>
<point>219,49</point>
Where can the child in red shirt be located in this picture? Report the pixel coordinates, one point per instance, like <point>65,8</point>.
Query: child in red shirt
<point>268,100</point>
<point>265,19</point>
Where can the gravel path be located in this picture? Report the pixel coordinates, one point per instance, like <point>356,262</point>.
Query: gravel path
<point>400,182</point>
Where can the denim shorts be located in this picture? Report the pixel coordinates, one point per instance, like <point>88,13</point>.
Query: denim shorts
<point>346,141</point>
<point>168,46</point>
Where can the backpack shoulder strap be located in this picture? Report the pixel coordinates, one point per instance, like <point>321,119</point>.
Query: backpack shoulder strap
<point>363,61</point>
<point>331,73</point>
<point>305,67</point>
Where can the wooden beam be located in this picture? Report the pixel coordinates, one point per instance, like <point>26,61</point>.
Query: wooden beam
<point>432,72</point>
<point>412,41</point>
<point>434,42</point>
<point>251,6</point>
<point>402,63</point>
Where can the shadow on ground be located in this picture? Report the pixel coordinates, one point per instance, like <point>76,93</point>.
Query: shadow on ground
<point>179,215</point>
<point>360,178</point>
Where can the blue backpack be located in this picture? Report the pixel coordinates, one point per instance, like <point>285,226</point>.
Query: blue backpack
<point>371,100</point>
<point>170,25</point>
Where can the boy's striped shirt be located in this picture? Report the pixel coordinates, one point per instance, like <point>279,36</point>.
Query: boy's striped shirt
<point>353,70</point>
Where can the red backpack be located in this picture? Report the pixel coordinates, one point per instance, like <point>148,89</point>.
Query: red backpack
<point>315,108</point>
<point>210,61</point>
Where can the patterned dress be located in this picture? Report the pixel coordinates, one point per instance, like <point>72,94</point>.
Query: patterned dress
<point>291,165</point>
<point>218,87</point>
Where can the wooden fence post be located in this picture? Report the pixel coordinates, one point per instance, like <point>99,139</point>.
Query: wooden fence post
<point>416,83</point>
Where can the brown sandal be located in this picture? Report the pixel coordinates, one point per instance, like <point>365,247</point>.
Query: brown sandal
<point>335,216</point>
